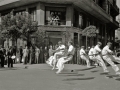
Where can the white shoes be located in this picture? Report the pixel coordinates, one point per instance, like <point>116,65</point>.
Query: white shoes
<point>117,73</point>
<point>106,71</point>
<point>58,72</point>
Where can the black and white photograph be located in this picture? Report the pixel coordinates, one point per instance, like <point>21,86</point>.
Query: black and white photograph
<point>59,44</point>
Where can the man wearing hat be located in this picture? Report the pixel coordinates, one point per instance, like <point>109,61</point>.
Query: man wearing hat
<point>58,52</point>
<point>97,54</point>
<point>108,57</point>
<point>84,56</point>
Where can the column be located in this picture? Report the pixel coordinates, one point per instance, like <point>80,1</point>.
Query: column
<point>69,16</point>
<point>105,35</point>
<point>41,14</point>
<point>27,10</point>
<point>0,18</point>
<point>78,39</point>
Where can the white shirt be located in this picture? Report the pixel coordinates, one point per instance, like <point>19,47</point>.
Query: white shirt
<point>61,47</point>
<point>106,50</point>
<point>71,49</point>
<point>82,52</point>
<point>91,51</point>
<point>97,50</point>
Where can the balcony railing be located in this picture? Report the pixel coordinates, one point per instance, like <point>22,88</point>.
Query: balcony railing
<point>55,22</point>
<point>59,28</point>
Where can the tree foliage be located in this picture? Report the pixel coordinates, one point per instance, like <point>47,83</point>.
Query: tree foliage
<point>90,31</point>
<point>18,25</point>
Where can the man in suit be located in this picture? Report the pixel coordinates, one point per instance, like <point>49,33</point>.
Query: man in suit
<point>10,61</point>
<point>2,54</point>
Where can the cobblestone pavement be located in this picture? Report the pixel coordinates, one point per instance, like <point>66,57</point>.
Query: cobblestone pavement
<point>41,77</point>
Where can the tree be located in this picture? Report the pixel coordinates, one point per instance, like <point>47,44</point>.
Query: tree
<point>39,35</point>
<point>90,31</point>
<point>19,25</point>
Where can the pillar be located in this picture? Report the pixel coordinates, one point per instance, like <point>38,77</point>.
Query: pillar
<point>78,39</point>
<point>105,34</point>
<point>41,14</point>
<point>0,18</point>
<point>69,16</point>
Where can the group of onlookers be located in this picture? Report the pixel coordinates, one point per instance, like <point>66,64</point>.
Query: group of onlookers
<point>31,55</point>
<point>35,55</point>
<point>7,56</point>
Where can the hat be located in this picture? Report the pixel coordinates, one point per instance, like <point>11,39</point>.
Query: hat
<point>109,43</point>
<point>99,43</point>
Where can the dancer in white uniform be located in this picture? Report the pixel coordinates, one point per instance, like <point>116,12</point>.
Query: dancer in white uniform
<point>84,56</point>
<point>92,56</point>
<point>107,56</point>
<point>57,53</point>
<point>97,53</point>
<point>68,57</point>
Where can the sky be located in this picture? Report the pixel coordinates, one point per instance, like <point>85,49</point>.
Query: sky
<point>118,3</point>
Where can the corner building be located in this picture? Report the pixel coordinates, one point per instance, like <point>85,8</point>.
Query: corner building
<point>69,16</point>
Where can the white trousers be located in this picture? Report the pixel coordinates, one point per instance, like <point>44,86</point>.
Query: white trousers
<point>108,59</point>
<point>92,58</point>
<point>50,60</point>
<point>101,62</point>
<point>117,59</point>
<point>86,58</point>
<point>62,61</point>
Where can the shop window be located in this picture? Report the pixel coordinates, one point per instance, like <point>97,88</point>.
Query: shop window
<point>55,16</point>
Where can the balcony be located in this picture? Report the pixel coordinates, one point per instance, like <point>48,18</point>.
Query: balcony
<point>59,28</point>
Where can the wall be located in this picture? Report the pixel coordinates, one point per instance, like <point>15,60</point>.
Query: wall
<point>41,14</point>
<point>69,16</point>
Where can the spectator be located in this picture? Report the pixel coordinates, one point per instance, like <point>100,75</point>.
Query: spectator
<point>10,54</point>
<point>41,55</point>
<point>37,52</point>
<point>2,57</point>
<point>31,55</point>
<point>25,55</point>
<point>50,51</point>
<point>45,54</point>
<point>21,54</point>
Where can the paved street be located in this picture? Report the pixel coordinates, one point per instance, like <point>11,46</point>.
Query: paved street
<point>41,77</point>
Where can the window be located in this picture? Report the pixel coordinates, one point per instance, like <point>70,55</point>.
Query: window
<point>19,12</point>
<point>55,16</point>
<point>80,21</point>
<point>32,12</point>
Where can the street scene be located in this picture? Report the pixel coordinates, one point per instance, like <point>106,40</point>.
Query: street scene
<point>59,44</point>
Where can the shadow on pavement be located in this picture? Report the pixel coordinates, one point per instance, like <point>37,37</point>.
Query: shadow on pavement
<point>104,73</point>
<point>72,79</point>
<point>72,74</point>
<point>6,69</point>
<point>118,79</point>
<point>85,69</point>
<point>113,76</point>
<point>94,71</point>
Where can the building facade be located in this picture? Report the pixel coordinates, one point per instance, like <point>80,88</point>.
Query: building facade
<point>56,17</point>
